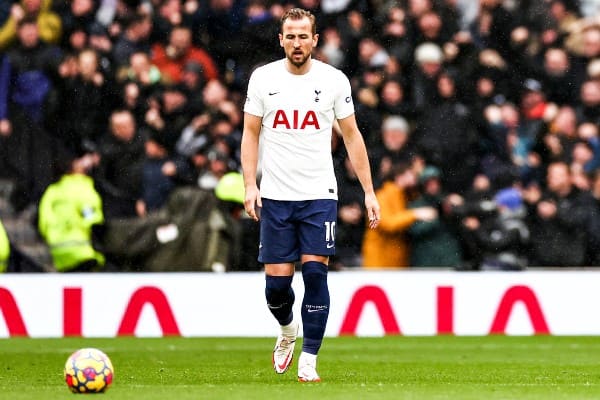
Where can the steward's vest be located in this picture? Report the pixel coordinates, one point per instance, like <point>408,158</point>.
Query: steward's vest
<point>4,249</point>
<point>67,211</point>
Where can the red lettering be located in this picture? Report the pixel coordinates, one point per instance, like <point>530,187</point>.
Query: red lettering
<point>379,299</point>
<point>281,118</point>
<point>510,298</point>
<point>72,311</point>
<point>310,119</point>
<point>12,315</point>
<point>445,310</point>
<point>155,297</point>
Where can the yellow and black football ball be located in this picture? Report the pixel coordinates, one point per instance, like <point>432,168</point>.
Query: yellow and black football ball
<point>88,370</point>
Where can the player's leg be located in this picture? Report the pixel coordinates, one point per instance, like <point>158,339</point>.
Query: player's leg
<point>317,239</point>
<point>278,250</point>
<point>315,312</point>
<point>280,300</point>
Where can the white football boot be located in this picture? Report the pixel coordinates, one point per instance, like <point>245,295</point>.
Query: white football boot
<point>283,353</point>
<point>307,368</point>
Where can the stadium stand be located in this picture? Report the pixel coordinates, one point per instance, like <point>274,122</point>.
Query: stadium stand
<point>487,93</point>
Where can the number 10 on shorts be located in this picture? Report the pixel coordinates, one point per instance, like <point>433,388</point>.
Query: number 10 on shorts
<point>329,231</point>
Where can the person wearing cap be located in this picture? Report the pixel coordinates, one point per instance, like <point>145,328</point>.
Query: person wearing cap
<point>394,147</point>
<point>429,60</point>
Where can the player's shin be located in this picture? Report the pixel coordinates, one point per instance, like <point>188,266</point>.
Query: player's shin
<point>280,297</point>
<point>315,305</point>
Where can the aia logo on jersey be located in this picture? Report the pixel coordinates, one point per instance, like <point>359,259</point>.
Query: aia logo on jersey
<point>295,120</point>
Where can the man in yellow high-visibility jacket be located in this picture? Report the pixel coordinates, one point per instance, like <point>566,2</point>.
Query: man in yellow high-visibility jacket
<point>67,211</point>
<point>4,249</point>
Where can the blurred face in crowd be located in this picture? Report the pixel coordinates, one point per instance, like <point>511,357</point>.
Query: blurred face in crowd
<point>179,42</point>
<point>82,7</point>
<point>430,25</point>
<point>446,87</point>
<point>559,178</point>
<point>298,40</point>
<point>28,34</point>
<point>173,100</point>
<point>392,92</point>
<point>556,62</point>
<point>122,125</point>
<point>591,42</point>
<point>407,179</point>
<point>87,63</point>
<point>565,121</point>
<point>214,93</point>
<point>590,94</point>
<point>394,139</point>
<point>31,6</point>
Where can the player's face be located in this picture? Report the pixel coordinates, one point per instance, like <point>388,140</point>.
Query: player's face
<point>297,40</point>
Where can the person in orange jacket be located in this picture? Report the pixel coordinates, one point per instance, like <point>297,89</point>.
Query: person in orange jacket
<point>387,246</point>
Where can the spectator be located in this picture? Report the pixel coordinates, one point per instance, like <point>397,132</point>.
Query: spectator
<point>76,15</point>
<point>428,66</point>
<point>447,137</point>
<point>387,246</point>
<point>162,173</point>
<point>395,147</point>
<point>593,244</point>
<point>135,38</point>
<point>503,238</point>
<point>83,104</point>
<point>559,220</point>
<point>172,58</point>
<point>433,243</point>
<point>68,210</point>
<point>119,173</point>
<point>33,66</point>
<point>589,108</point>
<point>351,218</point>
<point>49,23</point>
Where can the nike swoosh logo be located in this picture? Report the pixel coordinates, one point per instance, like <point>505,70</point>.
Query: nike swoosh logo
<point>272,93</point>
<point>330,245</point>
<point>313,310</point>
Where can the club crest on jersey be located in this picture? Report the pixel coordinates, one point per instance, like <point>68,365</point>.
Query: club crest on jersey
<point>295,120</point>
<point>317,93</point>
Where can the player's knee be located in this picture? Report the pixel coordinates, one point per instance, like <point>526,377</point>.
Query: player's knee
<point>278,290</point>
<point>314,275</point>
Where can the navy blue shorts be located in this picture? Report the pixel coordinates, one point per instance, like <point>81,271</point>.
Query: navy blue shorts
<point>289,229</point>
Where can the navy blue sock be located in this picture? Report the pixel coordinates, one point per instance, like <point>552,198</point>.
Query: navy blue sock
<point>315,305</point>
<point>280,297</point>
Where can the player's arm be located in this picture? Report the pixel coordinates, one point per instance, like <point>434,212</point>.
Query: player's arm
<point>249,159</point>
<point>357,152</point>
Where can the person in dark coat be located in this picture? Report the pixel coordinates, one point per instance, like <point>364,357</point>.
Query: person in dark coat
<point>433,243</point>
<point>446,136</point>
<point>559,220</point>
<point>119,174</point>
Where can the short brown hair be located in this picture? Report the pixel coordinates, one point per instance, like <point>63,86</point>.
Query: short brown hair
<point>297,14</point>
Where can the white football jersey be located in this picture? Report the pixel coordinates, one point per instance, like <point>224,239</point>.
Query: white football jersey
<point>297,113</point>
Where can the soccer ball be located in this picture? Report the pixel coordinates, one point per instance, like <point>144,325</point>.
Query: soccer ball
<point>88,371</point>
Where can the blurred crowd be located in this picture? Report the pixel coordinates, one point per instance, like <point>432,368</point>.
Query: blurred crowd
<point>119,120</point>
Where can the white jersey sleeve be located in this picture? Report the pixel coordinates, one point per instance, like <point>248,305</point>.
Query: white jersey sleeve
<point>297,113</point>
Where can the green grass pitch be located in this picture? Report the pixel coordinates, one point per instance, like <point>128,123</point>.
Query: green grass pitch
<point>442,367</point>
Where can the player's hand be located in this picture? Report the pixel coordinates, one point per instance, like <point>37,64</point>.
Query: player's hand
<point>251,201</point>
<point>373,210</point>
